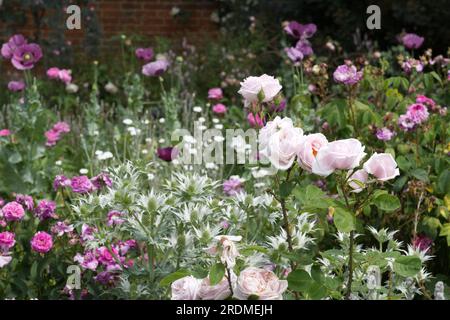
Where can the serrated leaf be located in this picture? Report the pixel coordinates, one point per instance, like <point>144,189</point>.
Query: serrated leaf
<point>344,220</point>
<point>407,266</point>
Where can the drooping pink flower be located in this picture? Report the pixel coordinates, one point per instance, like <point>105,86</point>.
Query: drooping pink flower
<point>347,75</point>
<point>418,113</point>
<point>232,186</point>
<point>412,41</point>
<point>155,68</point>
<point>219,108</point>
<point>255,121</point>
<point>11,46</point>
<point>45,210</point>
<point>145,54</point>
<point>26,201</point>
<point>215,94</point>
<point>42,242</point>
<point>5,132</point>
<point>16,86</point>
<point>81,184</point>
<point>7,241</point>
<point>26,56</point>
<point>13,211</point>
<point>385,134</point>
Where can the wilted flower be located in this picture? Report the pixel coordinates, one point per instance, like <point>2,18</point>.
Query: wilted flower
<point>42,242</point>
<point>16,86</point>
<point>357,180</point>
<point>228,250</point>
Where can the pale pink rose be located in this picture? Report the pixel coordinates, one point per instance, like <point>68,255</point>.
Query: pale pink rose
<point>220,291</point>
<point>4,260</point>
<point>359,176</point>
<point>308,149</point>
<point>229,251</point>
<point>252,86</point>
<point>338,155</point>
<point>272,127</point>
<point>382,166</point>
<point>261,283</point>
<point>283,147</point>
<point>186,288</point>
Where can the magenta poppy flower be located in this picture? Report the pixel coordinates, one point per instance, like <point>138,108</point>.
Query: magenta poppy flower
<point>167,154</point>
<point>155,68</point>
<point>215,94</point>
<point>412,41</point>
<point>304,46</point>
<point>145,54</point>
<point>5,132</point>
<point>300,31</point>
<point>13,43</point>
<point>16,86</point>
<point>26,56</point>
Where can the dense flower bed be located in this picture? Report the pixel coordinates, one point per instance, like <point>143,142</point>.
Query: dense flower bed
<point>339,188</point>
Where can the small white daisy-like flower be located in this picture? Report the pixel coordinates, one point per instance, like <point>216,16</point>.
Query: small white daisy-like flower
<point>197,109</point>
<point>127,122</point>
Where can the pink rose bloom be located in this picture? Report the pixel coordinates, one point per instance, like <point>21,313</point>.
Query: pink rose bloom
<point>418,113</point>
<point>264,87</point>
<point>338,155</point>
<point>7,241</point>
<point>186,288</point>
<point>255,121</point>
<point>220,291</point>
<point>356,179</point>
<point>215,94</point>
<point>219,109</point>
<point>261,283</point>
<point>42,242</point>
<point>382,166</point>
<point>405,123</point>
<point>308,149</point>
<point>13,211</point>
<point>271,128</point>
<point>88,261</point>
<point>4,133</point>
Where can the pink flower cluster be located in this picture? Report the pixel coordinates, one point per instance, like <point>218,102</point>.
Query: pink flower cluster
<point>82,184</point>
<point>347,74</point>
<point>63,75</point>
<point>232,186</point>
<point>217,95</point>
<point>415,115</point>
<point>54,134</point>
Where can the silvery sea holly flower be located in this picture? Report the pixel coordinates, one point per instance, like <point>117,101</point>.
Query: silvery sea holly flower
<point>347,75</point>
<point>412,41</point>
<point>13,43</point>
<point>26,56</point>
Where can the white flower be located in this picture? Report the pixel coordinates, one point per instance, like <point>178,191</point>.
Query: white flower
<point>127,122</point>
<point>197,109</point>
<point>111,88</point>
<point>71,88</point>
<point>218,126</point>
<point>84,171</point>
<point>162,120</point>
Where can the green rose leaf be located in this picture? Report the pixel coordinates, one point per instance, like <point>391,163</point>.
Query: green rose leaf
<point>386,202</point>
<point>167,280</point>
<point>216,273</point>
<point>344,220</point>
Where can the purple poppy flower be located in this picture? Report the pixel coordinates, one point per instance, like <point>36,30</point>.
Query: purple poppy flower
<point>155,68</point>
<point>304,46</point>
<point>384,134</point>
<point>45,210</point>
<point>347,75</point>
<point>16,86</point>
<point>26,56</point>
<point>412,41</point>
<point>81,184</point>
<point>167,154</point>
<point>145,54</point>
<point>300,31</point>
<point>13,43</point>
<point>26,201</point>
<point>294,54</point>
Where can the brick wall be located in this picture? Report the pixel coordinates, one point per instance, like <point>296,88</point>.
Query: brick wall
<point>141,17</point>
